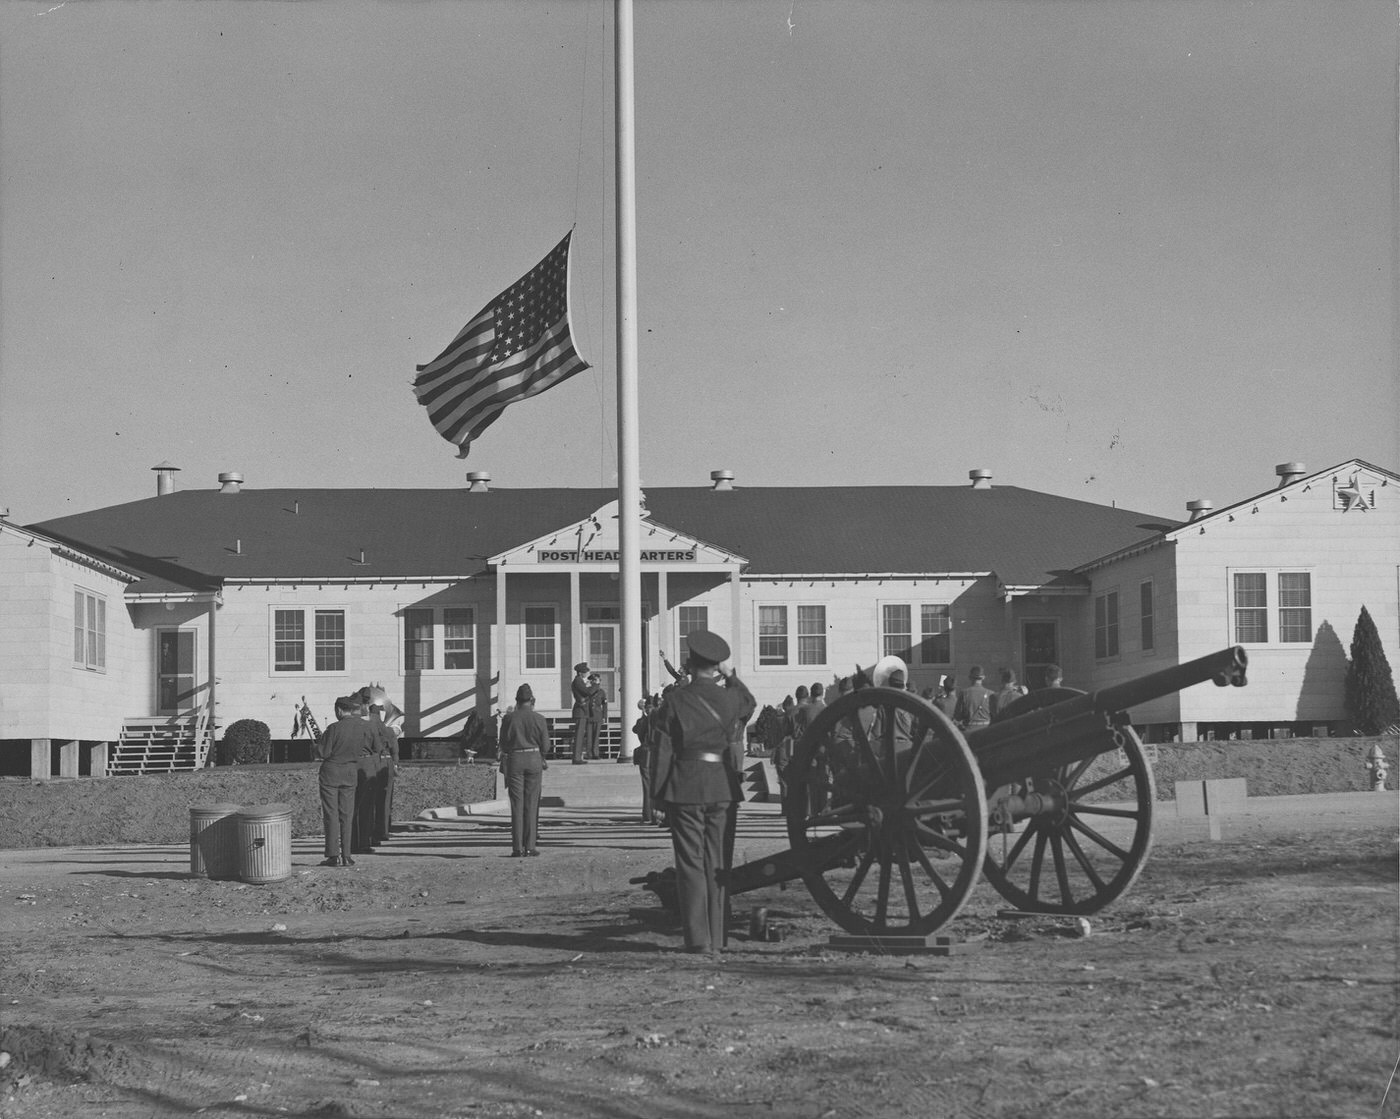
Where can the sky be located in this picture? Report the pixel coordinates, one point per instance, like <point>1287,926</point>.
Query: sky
<point>1135,252</point>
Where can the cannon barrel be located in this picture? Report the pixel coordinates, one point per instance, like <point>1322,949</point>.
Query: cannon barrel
<point>1079,728</point>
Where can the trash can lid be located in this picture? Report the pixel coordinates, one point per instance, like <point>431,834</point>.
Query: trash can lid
<point>262,810</point>
<point>221,809</point>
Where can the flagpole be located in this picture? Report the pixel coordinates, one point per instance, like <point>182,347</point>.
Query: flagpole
<point>629,485</point>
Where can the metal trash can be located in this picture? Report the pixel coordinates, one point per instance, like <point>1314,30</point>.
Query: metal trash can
<point>214,841</point>
<point>265,843</point>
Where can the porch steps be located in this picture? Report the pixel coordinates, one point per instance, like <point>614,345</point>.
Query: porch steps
<point>155,745</point>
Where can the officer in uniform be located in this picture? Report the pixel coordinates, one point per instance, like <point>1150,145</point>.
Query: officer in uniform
<point>524,739</point>
<point>582,692</point>
<point>696,777</point>
<point>339,751</point>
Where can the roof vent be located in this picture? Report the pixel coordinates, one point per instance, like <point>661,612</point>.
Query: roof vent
<point>722,479</point>
<point>981,479</point>
<point>165,478</point>
<point>230,481</point>
<point>480,481</point>
<point>1201,507</point>
<point>1289,472</point>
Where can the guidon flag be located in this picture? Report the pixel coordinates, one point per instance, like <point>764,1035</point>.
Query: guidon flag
<point>514,348</point>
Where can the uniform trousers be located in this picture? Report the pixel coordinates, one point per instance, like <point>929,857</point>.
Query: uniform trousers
<point>585,738</point>
<point>698,843</point>
<point>366,801</point>
<point>337,781</point>
<point>524,776</point>
<point>385,813</point>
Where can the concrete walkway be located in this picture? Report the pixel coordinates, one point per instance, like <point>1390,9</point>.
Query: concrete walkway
<point>762,831</point>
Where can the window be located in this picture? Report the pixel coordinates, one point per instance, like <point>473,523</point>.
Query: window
<point>89,631</point>
<point>811,635</point>
<point>541,637</point>
<point>1252,611</point>
<point>289,640</point>
<point>772,635</point>
<point>689,619</point>
<point>1251,606</point>
<point>898,632</point>
<point>441,638</point>
<point>1106,625</point>
<point>1295,606</point>
<point>936,634</point>
<point>417,640</point>
<point>1148,615</point>
<point>459,638</point>
<point>932,644</point>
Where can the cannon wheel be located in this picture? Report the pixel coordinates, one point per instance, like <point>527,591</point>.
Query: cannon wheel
<point>895,777</point>
<point>1063,862</point>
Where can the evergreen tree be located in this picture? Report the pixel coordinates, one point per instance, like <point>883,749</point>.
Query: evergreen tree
<point>1372,705</point>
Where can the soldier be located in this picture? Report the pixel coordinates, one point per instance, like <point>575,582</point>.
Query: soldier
<point>368,783</point>
<point>974,701</point>
<point>583,705</point>
<point>524,738</point>
<point>696,779</point>
<point>641,756</point>
<point>339,751</point>
<point>597,715</point>
<point>1009,692</point>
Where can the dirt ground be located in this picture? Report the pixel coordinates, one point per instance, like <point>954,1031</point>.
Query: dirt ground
<point>1250,976</point>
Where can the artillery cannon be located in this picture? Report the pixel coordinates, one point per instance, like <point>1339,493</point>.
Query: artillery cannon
<point>893,811</point>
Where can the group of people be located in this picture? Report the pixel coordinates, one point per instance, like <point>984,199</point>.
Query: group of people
<point>590,712</point>
<point>358,755</point>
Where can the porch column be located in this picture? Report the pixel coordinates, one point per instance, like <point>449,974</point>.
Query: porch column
<point>1188,732</point>
<point>97,760</point>
<point>736,640</point>
<point>575,631</point>
<point>68,759</point>
<point>500,642</point>
<point>663,626</point>
<point>40,762</point>
<point>211,720</point>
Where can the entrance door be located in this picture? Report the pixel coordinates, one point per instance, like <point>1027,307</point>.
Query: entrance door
<point>175,686</point>
<point>601,629</point>
<point>1040,647</point>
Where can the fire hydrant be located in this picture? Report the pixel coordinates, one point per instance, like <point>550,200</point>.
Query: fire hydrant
<point>1376,768</point>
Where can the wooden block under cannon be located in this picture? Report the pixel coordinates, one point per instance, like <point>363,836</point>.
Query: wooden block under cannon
<point>930,945</point>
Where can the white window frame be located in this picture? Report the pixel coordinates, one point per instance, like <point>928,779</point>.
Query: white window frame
<point>682,628</point>
<point>1147,616</point>
<point>1112,630</point>
<point>89,630</point>
<point>525,639</point>
<point>1273,608</point>
<point>772,660</point>
<point>437,639</point>
<point>913,653</point>
<point>308,639</point>
<point>818,632</point>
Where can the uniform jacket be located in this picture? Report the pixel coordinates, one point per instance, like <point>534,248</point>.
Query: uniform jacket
<point>583,697</point>
<point>524,732</point>
<point>345,740</point>
<point>974,706</point>
<point>699,718</point>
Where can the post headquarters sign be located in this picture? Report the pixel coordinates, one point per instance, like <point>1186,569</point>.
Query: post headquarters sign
<point>648,555</point>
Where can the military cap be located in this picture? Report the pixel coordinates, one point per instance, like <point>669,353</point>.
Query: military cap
<point>582,666</point>
<point>706,647</point>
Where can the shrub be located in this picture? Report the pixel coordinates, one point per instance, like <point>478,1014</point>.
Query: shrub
<point>1372,705</point>
<point>246,742</point>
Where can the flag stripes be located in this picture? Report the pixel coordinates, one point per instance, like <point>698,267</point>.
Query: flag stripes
<point>516,347</point>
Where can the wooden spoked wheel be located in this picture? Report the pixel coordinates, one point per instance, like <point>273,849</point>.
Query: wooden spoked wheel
<point>886,814</point>
<point>1084,850</point>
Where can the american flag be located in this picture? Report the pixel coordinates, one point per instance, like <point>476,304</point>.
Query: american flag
<point>517,346</point>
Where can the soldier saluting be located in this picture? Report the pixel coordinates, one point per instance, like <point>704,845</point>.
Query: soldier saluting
<point>696,777</point>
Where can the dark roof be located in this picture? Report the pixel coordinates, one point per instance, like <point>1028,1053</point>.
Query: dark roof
<point>200,538</point>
